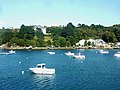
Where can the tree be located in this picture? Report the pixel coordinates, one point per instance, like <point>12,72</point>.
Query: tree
<point>85,43</point>
<point>56,43</point>
<point>14,41</point>
<point>26,32</point>
<point>21,42</point>
<point>72,40</point>
<point>70,25</point>
<point>62,41</point>
<point>109,37</point>
<point>68,44</point>
<point>49,43</point>
<point>7,36</point>
<point>89,43</point>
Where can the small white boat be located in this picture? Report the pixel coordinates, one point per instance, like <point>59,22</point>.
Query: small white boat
<point>69,53</point>
<point>40,69</point>
<point>117,54</point>
<point>51,52</point>
<point>4,53</point>
<point>7,53</point>
<point>103,52</point>
<point>79,56</point>
<point>12,52</point>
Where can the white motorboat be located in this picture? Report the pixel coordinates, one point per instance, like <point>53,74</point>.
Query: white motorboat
<point>51,52</point>
<point>69,53</point>
<point>12,52</point>
<point>103,52</point>
<point>8,53</point>
<point>117,54</point>
<point>79,56</point>
<point>4,53</point>
<point>41,69</point>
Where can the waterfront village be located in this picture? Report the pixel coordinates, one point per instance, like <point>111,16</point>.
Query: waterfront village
<point>69,37</point>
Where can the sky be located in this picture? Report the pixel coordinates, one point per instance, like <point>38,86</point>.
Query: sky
<point>14,13</point>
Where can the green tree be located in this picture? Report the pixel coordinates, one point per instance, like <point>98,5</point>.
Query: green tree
<point>26,32</point>
<point>49,43</point>
<point>89,43</point>
<point>62,41</point>
<point>7,36</point>
<point>109,37</point>
<point>68,44</point>
<point>85,43</point>
<point>72,40</point>
<point>21,42</point>
<point>14,41</point>
<point>56,43</point>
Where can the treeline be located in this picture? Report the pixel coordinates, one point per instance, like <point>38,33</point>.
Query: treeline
<point>71,34</point>
<point>25,36</point>
<point>62,36</point>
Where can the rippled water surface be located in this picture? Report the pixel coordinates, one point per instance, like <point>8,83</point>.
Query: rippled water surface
<point>96,72</point>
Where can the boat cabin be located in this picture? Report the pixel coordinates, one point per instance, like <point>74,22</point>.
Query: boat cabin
<point>41,66</point>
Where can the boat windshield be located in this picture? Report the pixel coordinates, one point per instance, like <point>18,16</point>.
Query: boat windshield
<point>39,66</point>
<point>43,66</point>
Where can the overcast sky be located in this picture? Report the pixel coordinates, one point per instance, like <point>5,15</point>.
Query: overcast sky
<point>14,13</point>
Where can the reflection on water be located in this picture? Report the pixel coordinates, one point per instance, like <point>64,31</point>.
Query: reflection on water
<point>44,81</point>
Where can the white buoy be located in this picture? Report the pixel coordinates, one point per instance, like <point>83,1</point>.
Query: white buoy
<point>23,72</point>
<point>81,61</point>
<point>19,62</point>
<point>27,58</point>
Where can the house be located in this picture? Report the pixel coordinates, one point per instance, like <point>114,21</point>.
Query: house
<point>43,28</point>
<point>117,43</point>
<point>92,41</point>
<point>81,42</point>
<point>99,42</point>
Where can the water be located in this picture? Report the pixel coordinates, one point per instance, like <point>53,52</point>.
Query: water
<point>96,72</point>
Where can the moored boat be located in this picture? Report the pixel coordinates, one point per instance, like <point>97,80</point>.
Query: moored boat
<point>103,52</point>
<point>51,52</point>
<point>117,54</point>
<point>79,56</point>
<point>41,69</point>
<point>69,53</point>
<point>12,52</point>
<point>7,53</point>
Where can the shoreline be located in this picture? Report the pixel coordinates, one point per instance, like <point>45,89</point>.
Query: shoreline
<point>57,48</point>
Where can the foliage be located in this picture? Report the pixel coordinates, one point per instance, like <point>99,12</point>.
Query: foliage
<point>61,36</point>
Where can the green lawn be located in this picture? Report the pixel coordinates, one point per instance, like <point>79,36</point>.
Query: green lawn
<point>47,37</point>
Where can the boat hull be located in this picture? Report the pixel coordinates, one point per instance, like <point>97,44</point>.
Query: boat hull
<point>116,55</point>
<point>79,57</point>
<point>42,71</point>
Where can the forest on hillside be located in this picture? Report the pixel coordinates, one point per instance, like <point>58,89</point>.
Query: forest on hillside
<point>62,36</point>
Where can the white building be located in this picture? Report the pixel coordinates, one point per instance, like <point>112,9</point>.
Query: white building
<point>81,42</point>
<point>92,41</point>
<point>99,42</point>
<point>43,28</point>
<point>118,43</point>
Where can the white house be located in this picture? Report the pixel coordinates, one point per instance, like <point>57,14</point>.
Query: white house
<point>99,42</point>
<point>92,41</point>
<point>43,28</point>
<point>118,44</point>
<point>81,42</point>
